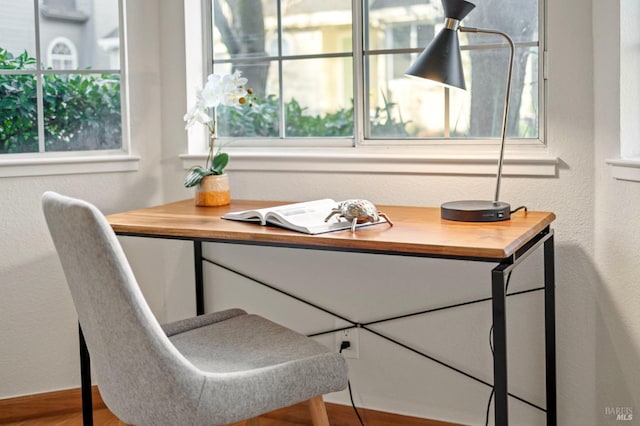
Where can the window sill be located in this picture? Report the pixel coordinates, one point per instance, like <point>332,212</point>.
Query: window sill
<point>64,165</point>
<point>625,169</point>
<point>362,160</point>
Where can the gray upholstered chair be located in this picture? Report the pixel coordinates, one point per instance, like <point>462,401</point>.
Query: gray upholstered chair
<point>212,369</point>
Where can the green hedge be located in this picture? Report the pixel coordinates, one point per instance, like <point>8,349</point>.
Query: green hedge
<point>81,111</point>
<point>261,120</point>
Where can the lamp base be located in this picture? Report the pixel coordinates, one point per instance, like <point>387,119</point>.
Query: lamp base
<point>475,211</point>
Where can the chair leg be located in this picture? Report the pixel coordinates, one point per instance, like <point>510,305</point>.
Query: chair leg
<point>318,412</point>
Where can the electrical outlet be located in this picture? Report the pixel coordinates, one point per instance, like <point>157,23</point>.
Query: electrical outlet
<point>350,335</point>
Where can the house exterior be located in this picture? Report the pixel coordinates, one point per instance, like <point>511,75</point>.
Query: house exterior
<point>74,34</point>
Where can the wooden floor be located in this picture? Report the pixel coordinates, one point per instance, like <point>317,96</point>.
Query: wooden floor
<point>101,417</point>
<point>292,416</point>
<point>64,408</point>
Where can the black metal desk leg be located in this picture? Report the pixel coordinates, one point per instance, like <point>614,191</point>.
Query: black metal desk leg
<point>85,381</point>
<point>197,258</point>
<point>550,329</point>
<point>498,299</point>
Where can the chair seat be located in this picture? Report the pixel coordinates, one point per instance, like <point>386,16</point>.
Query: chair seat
<point>244,342</point>
<point>265,366</point>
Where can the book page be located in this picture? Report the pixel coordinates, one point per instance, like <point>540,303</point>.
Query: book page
<point>257,215</point>
<point>304,217</point>
<point>310,217</point>
<point>307,217</point>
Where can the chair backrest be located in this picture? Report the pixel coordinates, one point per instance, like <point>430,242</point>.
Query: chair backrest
<point>136,367</point>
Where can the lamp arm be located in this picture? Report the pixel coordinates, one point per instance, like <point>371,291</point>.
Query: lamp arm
<point>506,101</point>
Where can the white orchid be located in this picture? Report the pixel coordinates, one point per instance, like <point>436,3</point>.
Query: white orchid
<point>227,90</point>
<point>197,114</point>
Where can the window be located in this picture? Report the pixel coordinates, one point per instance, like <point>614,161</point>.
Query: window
<point>629,86</point>
<point>62,54</point>
<point>334,70</point>
<point>627,166</point>
<point>403,35</point>
<point>58,88</point>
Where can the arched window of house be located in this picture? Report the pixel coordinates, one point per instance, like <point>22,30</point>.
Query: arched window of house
<point>62,54</point>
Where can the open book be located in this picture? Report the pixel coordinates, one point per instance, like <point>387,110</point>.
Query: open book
<point>307,217</point>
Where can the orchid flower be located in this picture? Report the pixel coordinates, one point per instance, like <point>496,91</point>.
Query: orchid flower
<point>227,90</point>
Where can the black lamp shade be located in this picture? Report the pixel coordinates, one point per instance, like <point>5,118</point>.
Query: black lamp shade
<point>457,9</point>
<point>441,61</point>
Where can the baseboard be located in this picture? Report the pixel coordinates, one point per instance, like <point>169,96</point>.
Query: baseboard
<point>70,401</point>
<point>45,404</point>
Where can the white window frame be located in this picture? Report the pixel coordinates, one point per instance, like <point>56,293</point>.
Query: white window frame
<point>477,157</point>
<point>627,167</point>
<point>75,162</point>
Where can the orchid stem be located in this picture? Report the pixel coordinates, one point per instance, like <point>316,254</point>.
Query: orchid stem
<point>212,141</point>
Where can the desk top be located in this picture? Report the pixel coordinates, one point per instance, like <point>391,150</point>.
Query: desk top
<point>417,231</point>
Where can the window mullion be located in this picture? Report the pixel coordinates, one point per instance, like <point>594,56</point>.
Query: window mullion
<point>360,101</point>
<point>39,78</point>
<point>447,113</point>
<point>282,124</point>
<point>40,111</point>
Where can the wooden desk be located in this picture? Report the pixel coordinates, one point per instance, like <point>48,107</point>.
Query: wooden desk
<point>417,231</point>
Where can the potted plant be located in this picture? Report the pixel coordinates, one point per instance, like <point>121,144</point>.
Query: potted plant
<point>211,181</point>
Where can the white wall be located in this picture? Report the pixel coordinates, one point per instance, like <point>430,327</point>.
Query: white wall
<point>597,344</point>
<point>617,223</point>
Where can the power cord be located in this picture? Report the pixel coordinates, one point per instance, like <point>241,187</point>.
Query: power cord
<point>346,345</point>
<point>486,421</point>
<point>506,288</point>
<point>519,208</point>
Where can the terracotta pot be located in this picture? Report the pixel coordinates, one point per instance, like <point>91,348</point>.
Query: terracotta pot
<point>213,191</point>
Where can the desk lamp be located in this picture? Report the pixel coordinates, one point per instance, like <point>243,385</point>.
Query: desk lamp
<point>440,62</point>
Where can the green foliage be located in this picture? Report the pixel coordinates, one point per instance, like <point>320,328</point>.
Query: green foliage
<point>261,120</point>
<point>18,108</point>
<point>195,175</point>
<point>301,124</point>
<point>218,162</point>
<point>258,121</point>
<point>383,123</point>
<point>80,112</point>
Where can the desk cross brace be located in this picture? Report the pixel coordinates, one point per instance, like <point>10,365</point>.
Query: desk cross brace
<point>498,300</point>
<point>366,325</point>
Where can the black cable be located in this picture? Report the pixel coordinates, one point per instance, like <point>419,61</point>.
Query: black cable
<point>486,422</point>
<point>353,404</point>
<point>519,208</point>
<point>345,345</point>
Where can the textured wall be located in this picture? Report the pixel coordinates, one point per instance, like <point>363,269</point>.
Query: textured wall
<point>617,223</point>
<point>38,339</point>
